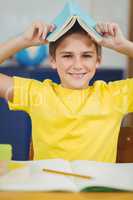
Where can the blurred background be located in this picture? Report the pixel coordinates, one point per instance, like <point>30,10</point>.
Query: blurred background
<point>17,15</point>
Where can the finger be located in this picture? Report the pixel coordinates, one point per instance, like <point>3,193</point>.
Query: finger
<point>98,29</point>
<point>47,29</point>
<point>105,28</point>
<point>116,28</point>
<point>110,29</point>
<point>39,28</point>
<point>52,27</point>
<point>30,32</point>
<point>101,28</point>
<point>42,29</point>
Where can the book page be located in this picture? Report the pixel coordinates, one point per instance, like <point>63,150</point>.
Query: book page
<point>65,27</point>
<point>90,30</point>
<point>118,176</point>
<point>60,22</point>
<point>31,177</point>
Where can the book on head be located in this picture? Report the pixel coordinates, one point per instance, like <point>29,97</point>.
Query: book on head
<point>71,14</point>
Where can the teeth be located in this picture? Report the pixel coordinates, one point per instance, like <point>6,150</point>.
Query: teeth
<point>77,75</point>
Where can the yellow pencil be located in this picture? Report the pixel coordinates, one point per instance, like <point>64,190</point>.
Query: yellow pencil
<point>66,173</point>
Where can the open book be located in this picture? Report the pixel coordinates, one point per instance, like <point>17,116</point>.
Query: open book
<point>67,18</point>
<point>29,176</point>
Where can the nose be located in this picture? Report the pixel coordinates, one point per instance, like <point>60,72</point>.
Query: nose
<point>77,63</point>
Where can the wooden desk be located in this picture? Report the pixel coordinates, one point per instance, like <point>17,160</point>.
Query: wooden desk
<point>65,196</point>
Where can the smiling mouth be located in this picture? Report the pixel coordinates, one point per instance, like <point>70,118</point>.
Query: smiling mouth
<point>77,75</point>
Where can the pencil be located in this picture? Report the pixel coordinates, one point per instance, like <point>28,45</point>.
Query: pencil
<point>66,173</point>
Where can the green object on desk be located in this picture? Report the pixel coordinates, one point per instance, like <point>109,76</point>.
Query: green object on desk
<point>101,189</point>
<point>5,152</point>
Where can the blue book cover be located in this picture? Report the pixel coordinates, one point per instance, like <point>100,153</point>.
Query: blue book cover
<point>68,16</point>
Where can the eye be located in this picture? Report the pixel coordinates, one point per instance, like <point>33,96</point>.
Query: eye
<point>67,56</point>
<point>87,56</point>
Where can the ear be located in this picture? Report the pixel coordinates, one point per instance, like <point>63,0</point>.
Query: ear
<point>98,62</point>
<point>52,62</point>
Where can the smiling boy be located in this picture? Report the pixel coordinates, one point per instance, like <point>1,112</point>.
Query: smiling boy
<point>76,58</point>
<point>72,120</point>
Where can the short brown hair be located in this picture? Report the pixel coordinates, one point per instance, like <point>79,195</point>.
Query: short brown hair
<point>75,29</point>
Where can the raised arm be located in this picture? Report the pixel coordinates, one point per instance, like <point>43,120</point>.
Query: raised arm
<point>35,35</point>
<point>113,38</point>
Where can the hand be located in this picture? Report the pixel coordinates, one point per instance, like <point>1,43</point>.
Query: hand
<point>112,35</point>
<point>36,33</point>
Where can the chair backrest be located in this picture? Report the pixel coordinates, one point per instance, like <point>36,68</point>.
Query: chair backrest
<point>31,151</point>
<point>125,145</point>
<point>15,129</point>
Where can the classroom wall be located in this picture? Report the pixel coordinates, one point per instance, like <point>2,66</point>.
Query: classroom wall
<point>16,15</point>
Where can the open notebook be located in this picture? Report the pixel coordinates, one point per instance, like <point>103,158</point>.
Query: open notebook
<point>29,176</point>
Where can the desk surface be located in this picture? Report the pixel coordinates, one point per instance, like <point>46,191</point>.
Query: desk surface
<point>65,196</point>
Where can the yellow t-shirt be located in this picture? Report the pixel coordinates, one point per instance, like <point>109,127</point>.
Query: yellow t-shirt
<point>74,124</point>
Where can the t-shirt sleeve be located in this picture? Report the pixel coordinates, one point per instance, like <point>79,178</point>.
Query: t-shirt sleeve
<point>21,94</point>
<point>122,94</point>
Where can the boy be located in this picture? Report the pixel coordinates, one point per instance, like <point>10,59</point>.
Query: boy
<point>71,120</point>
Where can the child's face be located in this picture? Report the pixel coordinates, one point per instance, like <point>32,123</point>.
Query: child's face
<point>76,61</point>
